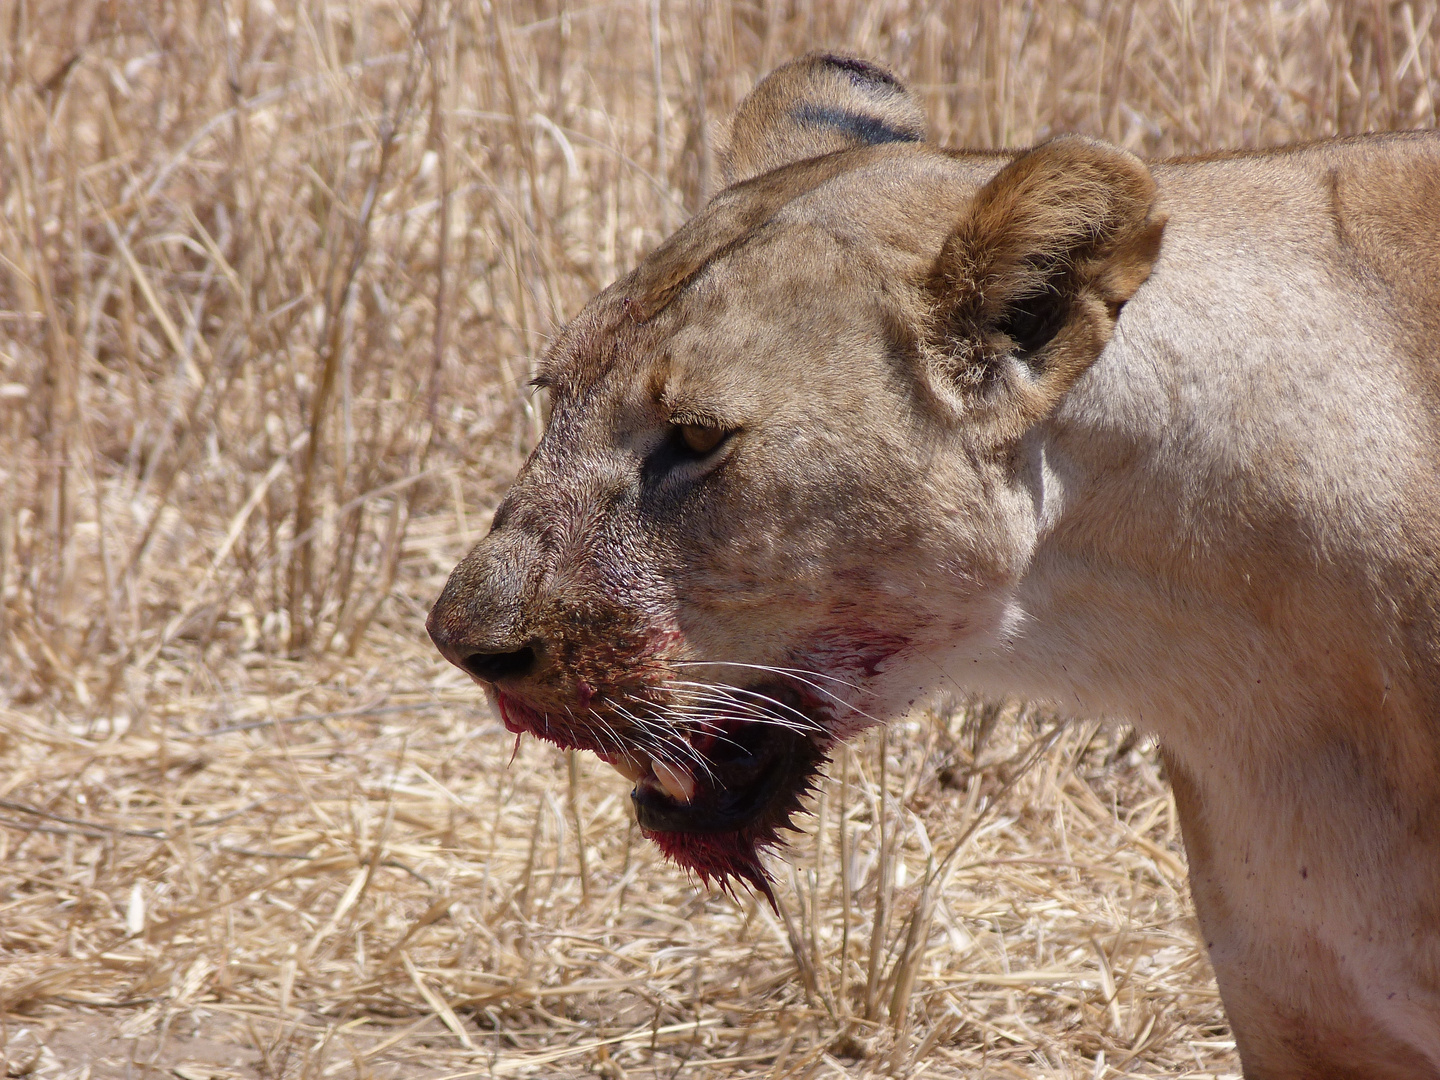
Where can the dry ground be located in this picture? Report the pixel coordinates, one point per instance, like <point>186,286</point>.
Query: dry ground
<point>272,277</point>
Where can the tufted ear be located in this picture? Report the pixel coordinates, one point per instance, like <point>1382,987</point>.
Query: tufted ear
<point>1029,284</point>
<point>816,105</point>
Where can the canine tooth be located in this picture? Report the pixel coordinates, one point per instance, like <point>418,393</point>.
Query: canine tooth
<point>678,783</point>
<point>630,766</point>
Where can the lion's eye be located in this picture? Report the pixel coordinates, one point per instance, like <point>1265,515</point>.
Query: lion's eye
<point>700,439</point>
<point>689,448</point>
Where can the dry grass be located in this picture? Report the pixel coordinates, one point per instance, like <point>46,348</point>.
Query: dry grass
<point>272,275</point>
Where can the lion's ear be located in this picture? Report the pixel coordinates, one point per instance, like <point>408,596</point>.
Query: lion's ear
<point>1028,286</point>
<point>816,105</point>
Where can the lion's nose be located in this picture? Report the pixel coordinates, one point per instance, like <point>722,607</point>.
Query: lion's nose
<point>471,644</point>
<point>479,622</point>
<point>465,636</point>
<point>494,666</point>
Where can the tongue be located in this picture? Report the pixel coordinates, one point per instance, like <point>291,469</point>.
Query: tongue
<point>678,783</point>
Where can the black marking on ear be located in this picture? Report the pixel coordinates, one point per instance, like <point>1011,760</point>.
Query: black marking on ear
<point>869,129</point>
<point>862,70</point>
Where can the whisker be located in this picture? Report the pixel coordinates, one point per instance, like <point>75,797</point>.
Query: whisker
<point>710,718</point>
<point>796,675</point>
<point>783,708</point>
<point>801,674</point>
<point>779,704</point>
<point>710,724</point>
<point>671,751</point>
<point>745,712</point>
<point>726,702</point>
<point>605,728</point>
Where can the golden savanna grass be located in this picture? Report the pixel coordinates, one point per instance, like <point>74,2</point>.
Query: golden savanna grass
<point>273,274</point>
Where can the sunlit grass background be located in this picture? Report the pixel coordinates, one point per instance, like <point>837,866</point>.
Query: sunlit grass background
<point>273,276</point>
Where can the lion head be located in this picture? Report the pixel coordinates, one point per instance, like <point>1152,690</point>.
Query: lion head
<point>783,460</point>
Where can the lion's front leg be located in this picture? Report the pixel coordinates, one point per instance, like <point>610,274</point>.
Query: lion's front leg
<point>1308,996</point>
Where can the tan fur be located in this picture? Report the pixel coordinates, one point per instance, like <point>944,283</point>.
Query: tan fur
<point>816,105</point>
<point>1159,443</point>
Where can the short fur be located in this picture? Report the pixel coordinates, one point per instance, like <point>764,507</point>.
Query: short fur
<point>1157,442</point>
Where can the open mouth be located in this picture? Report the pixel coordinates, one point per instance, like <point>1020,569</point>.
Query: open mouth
<point>718,789</point>
<point>715,812</point>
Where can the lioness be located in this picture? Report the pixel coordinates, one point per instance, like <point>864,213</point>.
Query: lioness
<point>1159,442</point>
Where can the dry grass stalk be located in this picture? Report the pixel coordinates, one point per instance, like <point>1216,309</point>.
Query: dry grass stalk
<point>272,276</point>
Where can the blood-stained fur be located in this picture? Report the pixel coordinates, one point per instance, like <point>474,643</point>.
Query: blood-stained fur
<point>1151,441</point>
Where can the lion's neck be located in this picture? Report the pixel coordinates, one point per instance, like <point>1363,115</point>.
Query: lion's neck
<point>1244,587</point>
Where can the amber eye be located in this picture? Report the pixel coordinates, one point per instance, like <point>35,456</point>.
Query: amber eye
<point>701,439</point>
